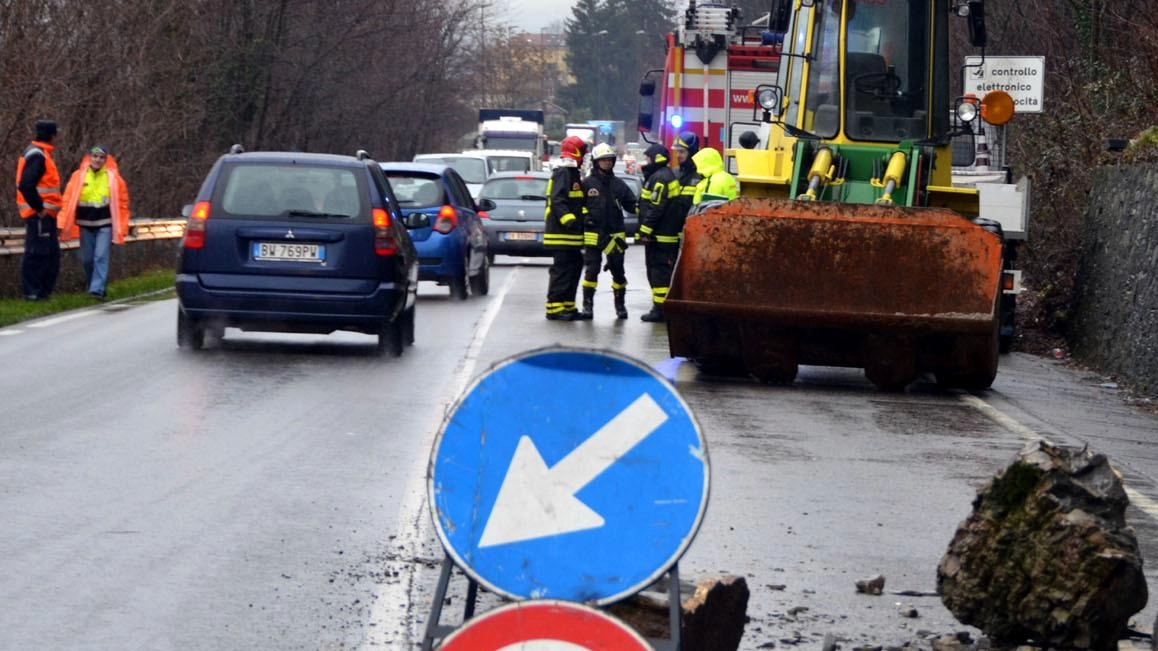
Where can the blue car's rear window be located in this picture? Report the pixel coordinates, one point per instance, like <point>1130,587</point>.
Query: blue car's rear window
<point>416,190</point>
<point>471,169</point>
<point>280,191</point>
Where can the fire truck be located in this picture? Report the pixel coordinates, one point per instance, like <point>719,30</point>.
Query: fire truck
<point>713,66</point>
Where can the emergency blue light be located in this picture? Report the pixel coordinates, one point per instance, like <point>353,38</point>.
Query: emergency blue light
<point>676,121</point>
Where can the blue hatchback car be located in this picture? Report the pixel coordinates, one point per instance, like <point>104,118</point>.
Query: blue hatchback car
<point>296,242</point>
<point>445,224</point>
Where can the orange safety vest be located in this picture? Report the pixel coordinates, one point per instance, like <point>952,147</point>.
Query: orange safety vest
<point>118,202</point>
<point>49,186</point>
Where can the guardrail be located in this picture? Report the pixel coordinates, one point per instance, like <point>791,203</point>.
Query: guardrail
<point>140,230</point>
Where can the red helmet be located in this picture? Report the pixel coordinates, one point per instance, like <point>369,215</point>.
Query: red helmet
<point>573,147</point>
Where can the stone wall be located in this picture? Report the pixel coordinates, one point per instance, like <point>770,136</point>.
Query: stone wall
<point>151,245</point>
<point>1115,326</point>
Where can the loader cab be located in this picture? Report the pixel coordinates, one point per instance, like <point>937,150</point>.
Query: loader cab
<point>867,71</point>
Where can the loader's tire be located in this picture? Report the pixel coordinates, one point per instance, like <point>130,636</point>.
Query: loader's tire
<point>890,362</point>
<point>972,363</point>
<point>775,373</point>
<point>721,367</point>
<point>888,378</point>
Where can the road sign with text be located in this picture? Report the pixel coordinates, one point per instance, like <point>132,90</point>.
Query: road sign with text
<point>1023,77</point>
<point>568,474</point>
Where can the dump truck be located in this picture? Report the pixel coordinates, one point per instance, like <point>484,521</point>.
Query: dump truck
<point>850,245</point>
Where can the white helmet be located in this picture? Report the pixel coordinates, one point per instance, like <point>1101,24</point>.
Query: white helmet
<point>603,150</point>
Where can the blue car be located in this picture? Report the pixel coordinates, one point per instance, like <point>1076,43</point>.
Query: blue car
<point>445,224</point>
<point>296,242</point>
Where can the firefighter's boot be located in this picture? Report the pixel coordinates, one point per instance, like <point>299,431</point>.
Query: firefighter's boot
<point>620,305</point>
<point>655,315</point>
<point>588,312</point>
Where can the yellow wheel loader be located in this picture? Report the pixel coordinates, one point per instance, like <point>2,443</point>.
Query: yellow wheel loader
<point>849,244</point>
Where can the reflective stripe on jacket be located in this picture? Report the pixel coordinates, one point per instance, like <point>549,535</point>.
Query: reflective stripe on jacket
<point>566,209</point>
<point>118,193</point>
<point>48,187</point>
<point>662,209</point>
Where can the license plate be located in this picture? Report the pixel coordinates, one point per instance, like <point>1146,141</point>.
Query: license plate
<point>522,236</point>
<point>289,251</point>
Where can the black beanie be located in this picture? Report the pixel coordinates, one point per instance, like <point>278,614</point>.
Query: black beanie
<point>45,129</point>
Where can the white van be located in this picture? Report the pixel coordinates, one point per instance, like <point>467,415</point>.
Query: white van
<point>475,166</point>
<point>509,160</point>
<point>472,166</point>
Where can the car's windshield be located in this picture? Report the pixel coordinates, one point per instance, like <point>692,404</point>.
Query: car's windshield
<point>416,191</point>
<point>472,170</point>
<point>511,141</point>
<point>275,190</point>
<point>519,188</point>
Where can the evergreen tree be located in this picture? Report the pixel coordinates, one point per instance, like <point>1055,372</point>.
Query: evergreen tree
<point>610,43</point>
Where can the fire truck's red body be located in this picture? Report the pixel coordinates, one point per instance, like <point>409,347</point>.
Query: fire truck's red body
<point>711,69</point>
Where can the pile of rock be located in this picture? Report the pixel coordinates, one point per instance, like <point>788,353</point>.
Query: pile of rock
<point>1046,556</point>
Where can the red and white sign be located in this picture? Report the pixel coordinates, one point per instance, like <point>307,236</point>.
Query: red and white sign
<point>544,626</point>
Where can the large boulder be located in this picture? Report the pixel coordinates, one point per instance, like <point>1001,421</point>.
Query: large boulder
<point>1046,556</point>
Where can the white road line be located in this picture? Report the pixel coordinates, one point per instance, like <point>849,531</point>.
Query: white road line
<point>61,319</point>
<point>9,333</point>
<point>1147,505</point>
<point>390,611</point>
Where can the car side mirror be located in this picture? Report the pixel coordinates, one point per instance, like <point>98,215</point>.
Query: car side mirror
<point>486,205</point>
<point>187,210</point>
<point>416,220</point>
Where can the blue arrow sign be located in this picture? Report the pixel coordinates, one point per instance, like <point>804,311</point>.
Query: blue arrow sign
<point>568,474</point>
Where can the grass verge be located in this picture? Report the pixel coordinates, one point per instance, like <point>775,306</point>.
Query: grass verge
<point>153,284</point>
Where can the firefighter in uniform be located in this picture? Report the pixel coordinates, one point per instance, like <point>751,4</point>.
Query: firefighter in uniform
<point>38,200</point>
<point>604,234</point>
<point>657,221</point>
<point>663,228</point>
<point>563,235</point>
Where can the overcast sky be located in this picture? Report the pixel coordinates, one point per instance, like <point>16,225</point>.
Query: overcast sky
<point>533,15</point>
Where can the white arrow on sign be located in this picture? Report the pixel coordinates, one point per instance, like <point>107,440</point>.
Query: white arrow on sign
<point>536,501</point>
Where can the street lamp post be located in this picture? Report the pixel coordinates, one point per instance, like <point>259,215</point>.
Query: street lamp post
<point>599,81</point>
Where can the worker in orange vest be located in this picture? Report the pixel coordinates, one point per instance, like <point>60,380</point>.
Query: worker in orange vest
<point>96,210</point>
<point>38,201</point>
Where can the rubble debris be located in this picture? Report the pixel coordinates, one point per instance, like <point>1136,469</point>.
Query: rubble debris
<point>908,611</point>
<point>713,616</point>
<point>874,585</point>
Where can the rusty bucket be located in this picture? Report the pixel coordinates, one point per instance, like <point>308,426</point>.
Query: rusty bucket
<point>763,285</point>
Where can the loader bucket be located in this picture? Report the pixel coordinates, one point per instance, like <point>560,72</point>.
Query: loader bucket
<point>762,285</point>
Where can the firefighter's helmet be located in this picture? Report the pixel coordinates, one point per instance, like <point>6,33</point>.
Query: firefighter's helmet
<point>689,141</point>
<point>573,147</point>
<point>603,151</point>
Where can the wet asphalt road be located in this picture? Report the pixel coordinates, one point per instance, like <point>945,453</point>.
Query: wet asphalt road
<point>269,493</point>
